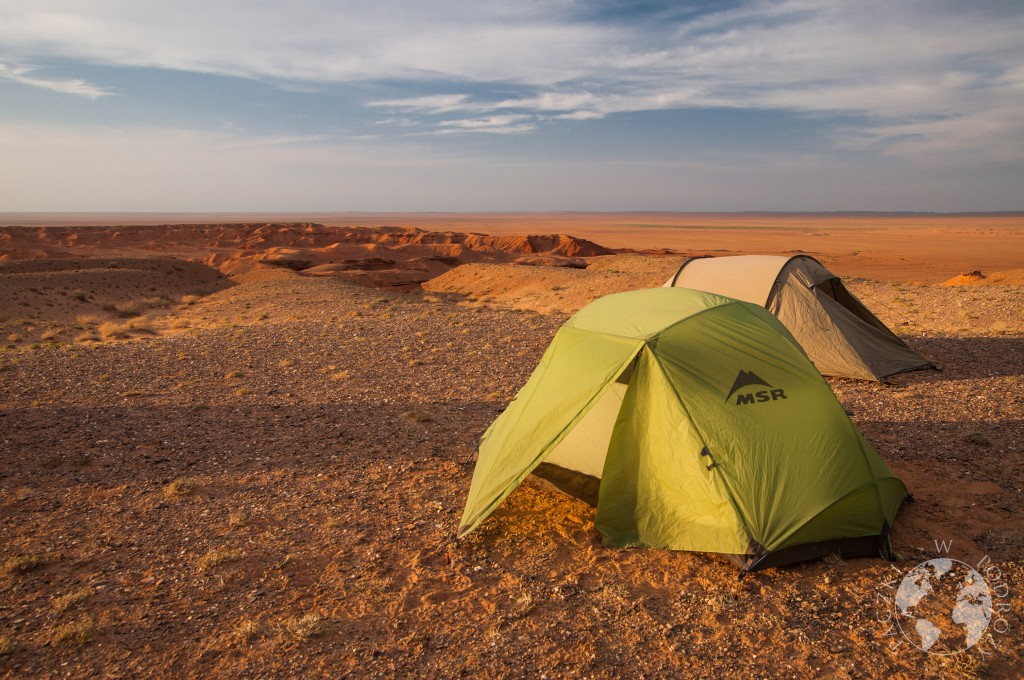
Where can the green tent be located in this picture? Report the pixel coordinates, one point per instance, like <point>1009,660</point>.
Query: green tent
<point>693,422</point>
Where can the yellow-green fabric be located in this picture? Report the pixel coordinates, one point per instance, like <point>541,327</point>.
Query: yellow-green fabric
<point>727,440</point>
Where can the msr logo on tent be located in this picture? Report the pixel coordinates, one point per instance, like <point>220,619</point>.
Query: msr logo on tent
<point>745,381</point>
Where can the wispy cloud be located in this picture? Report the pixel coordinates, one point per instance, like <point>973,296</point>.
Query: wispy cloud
<point>931,71</point>
<point>439,103</point>
<point>511,124</point>
<point>75,86</point>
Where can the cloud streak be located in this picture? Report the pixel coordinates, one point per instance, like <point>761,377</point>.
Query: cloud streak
<point>75,86</point>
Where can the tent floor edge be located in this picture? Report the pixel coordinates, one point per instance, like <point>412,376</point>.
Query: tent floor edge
<point>859,546</point>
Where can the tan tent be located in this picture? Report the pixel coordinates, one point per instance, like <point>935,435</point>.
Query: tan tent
<point>840,335</point>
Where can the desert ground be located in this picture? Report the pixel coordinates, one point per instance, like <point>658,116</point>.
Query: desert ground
<point>241,447</point>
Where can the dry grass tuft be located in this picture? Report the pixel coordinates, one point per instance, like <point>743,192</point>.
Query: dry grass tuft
<point>247,630</point>
<point>64,602</point>
<point>128,309</point>
<point>1009,540</point>
<point>181,487</point>
<point>285,363</point>
<point>964,666</point>
<point>21,564</point>
<point>237,518</point>
<point>307,626</point>
<point>190,299</point>
<point>79,459</point>
<point>833,559</point>
<point>976,438</point>
<point>7,645</point>
<point>217,557</point>
<point>340,375</point>
<point>233,374</point>
<point>54,461</point>
<point>74,634</point>
<point>88,336</point>
<point>419,416</point>
<point>139,325</point>
<point>110,329</point>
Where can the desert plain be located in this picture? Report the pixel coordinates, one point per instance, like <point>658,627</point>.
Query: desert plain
<point>239,445</point>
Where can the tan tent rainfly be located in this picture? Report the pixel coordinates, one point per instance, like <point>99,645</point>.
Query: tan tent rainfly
<point>840,335</point>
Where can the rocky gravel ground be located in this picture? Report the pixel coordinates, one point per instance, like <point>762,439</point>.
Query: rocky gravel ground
<point>272,488</point>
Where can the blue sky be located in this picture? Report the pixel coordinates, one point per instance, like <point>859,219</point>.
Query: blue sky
<point>312,105</point>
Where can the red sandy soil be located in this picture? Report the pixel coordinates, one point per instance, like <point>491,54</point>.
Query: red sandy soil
<point>264,475</point>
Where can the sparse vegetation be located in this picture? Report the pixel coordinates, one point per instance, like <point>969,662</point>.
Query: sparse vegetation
<point>64,602</point>
<point>233,374</point>
<point>181,487</point>
<point>111,329</point>
<point>237,518</point>
<point>340,375</point>
<point>307,626</point>
<point>190,299</point>
<point>217,557</point>
<point>977,438</point>
<point>963,666</point>
<point>1008,540</point>
<point>22,564</point>
<point>247,630</point>
<point>7,645</point>
<point>139,325</point>
<point>53,461</point>
<point>75,633</point>
<point>128,309</point>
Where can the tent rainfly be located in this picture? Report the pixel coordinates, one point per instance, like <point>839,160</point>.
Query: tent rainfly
<point>840,335</point>
<point>693,422</point>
